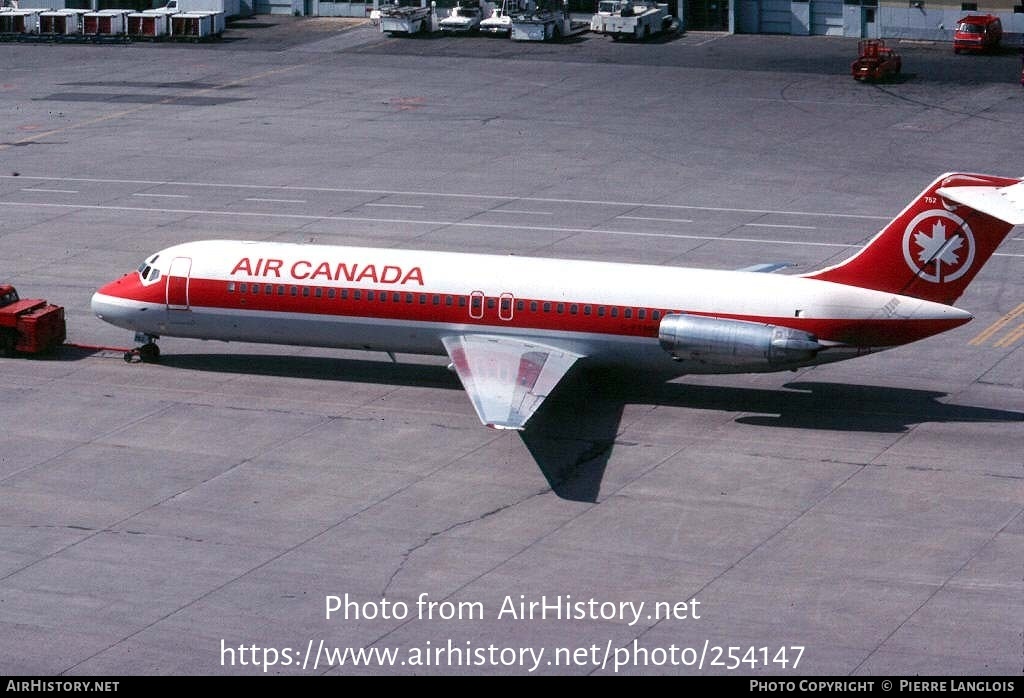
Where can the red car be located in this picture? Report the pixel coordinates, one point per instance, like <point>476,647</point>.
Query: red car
<point>978,33</point>
<point>875,61</point>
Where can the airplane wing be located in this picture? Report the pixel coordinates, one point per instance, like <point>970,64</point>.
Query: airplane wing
<point>767,267</point>
<point>506,378</point>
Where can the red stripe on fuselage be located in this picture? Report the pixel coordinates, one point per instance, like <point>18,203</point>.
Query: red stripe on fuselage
<point>521,313</point>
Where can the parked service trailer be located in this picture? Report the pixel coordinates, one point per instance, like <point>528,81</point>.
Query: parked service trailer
<point>149,25</point>
<point>197,25</point>
<point>19,22</point>
<point>105,23</point>
<point>61,22</point>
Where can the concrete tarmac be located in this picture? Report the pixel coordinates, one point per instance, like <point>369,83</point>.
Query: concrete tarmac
<point>201,515</point>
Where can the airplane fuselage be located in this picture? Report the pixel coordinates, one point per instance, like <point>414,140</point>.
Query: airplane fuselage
<point>408,301</point>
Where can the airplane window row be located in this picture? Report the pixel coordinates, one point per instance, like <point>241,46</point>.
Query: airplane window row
<point>475,302</point>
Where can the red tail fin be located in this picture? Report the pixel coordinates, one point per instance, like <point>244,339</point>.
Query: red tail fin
<point>936,246</point>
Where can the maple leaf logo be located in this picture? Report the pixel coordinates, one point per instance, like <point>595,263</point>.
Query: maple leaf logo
<point>936,247</point>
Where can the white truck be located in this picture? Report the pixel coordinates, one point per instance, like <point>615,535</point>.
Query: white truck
<point>500,21</point>
<point>466,17</point>
<point>407,19</point>
<point>543,24</point>
<point>632,19</point>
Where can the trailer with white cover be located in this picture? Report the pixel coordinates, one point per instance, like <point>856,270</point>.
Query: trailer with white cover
<point>408,19</point>
<point>16,23</point>
<point>151,24</point>
<point>105,23</point>
<point>61,23</point>
<point>632,19</point>
<point>197,25</point>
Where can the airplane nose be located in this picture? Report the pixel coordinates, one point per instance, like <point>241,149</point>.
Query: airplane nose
<point>101,305</point>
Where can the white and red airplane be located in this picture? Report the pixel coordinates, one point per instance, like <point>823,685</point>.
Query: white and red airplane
<point>514,326</point>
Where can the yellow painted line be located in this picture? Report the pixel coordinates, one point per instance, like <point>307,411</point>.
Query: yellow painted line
<point>1011,338</point>
<point>143,107</point>
<point>998,325</point>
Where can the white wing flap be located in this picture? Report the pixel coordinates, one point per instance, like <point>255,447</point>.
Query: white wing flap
<point>507,378</point>
<point>1004,203</point>
<point>767,267</point>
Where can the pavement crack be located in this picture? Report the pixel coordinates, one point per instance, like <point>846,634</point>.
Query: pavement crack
<point>448,529</point>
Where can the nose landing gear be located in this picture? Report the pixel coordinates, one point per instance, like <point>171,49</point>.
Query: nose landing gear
<point>147,353</point>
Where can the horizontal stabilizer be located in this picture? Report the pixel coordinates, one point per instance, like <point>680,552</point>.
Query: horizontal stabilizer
<point>1004,203</point>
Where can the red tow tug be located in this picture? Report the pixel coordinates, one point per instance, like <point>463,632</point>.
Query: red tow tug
<point>875,62</point>
<point>28,326</point>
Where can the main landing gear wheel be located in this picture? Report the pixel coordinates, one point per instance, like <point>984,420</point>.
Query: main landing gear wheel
<point>147,353</point>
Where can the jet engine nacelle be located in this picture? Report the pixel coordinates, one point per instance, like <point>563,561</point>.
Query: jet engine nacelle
<point>735,343</point>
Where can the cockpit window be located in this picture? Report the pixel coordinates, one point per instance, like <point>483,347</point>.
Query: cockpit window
<point>148,272</point>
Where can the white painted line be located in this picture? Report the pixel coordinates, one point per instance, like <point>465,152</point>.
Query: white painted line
<point>278,201</point>
<point>395,205</point>
<point>454,224</point>
<point>779,225</point>
<point>163,196</point>
<point>498,197</point>
<point>53,191</point>
<point>525,213</point>
<point>663,220</point>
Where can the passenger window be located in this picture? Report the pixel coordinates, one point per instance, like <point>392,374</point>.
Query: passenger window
<point>627,313</point>
<point>243,288</point>
<point>231,287</point>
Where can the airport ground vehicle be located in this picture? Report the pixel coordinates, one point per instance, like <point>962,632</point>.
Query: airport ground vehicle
<point>28,326</point>
<point>875,61</point>
<point>631,19</point>
<point>543,24</point>
<point>465,17</point>
<point>500,21</point>
<point>977,33</point>
<point>407,19</point>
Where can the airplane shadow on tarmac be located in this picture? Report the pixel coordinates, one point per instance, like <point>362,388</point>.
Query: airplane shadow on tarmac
<point>573,434</point>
